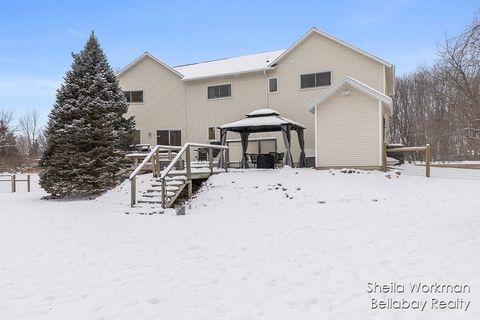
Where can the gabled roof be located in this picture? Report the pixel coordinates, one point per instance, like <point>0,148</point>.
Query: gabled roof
<point>329,36</point>
<point>243,64</point>
<point>354,83</point>
<point>261,120</point>
<point>228,66</point>
<point>148,55</point>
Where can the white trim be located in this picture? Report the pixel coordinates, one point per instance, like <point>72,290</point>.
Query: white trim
<point>147,55</point>
<point>329,36</point>
<point>228,74</point>
<point>216,85</point>
<point>380,133</point>
<point>319,87</point>
<point>354,83</point>
<point>268,85</point>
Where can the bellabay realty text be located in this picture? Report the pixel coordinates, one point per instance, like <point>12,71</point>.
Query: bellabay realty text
<point>421,296</point>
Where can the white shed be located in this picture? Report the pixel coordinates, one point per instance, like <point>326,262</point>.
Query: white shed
<point>350,122</point>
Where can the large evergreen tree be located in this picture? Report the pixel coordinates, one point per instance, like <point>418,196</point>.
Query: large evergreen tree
<point>87,133</point>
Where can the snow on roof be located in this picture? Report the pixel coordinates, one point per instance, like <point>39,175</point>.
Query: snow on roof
<point>241,64</point>
<point>262,112</point>
<point>259,121</point>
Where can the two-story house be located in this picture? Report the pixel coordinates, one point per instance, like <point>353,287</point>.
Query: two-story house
<point>339,92</point>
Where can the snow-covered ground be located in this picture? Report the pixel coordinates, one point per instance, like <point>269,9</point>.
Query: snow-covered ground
<point>275,244</point>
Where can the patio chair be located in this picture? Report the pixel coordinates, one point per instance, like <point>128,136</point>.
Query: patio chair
<point>278,158</point>
<point>253,159</point>
<point>202,154</point>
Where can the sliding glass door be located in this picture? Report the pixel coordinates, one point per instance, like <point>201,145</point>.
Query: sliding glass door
<point>169,137</point>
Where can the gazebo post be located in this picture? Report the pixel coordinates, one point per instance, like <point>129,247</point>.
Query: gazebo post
<point>302,162</point>
<point>287,140</point>
<point>222,161</point>
<point>244,137</point>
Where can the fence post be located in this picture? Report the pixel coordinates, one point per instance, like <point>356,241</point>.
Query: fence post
<point>133,191</point>
<point>14,186</point>
<point>28,183</point>
<point>427,160</point>
<point>210,159</point>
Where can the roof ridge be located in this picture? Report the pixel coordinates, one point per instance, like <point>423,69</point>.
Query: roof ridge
<point>220,59</point>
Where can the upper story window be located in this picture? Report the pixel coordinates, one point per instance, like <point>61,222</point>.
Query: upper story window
<point>133,96</point>
<point>212,133</point>
<point>313,80</point>
<point>220,91</point>
<point>273,85</point>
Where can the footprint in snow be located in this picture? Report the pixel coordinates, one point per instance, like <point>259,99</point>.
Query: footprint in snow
<point>153,300</point>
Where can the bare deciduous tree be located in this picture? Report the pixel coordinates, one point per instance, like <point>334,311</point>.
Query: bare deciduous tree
<point>440,104</point>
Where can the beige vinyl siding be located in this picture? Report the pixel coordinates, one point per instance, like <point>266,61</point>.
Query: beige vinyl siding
<point>163,104</point>
<point>348,131</point>
<point>167,97</point>
<point>248,93</point>
<point>317,54</point>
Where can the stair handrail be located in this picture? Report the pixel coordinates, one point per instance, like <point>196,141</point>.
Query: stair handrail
<point>186,149</point>
<point>183,150</point>
<point>139,168</point>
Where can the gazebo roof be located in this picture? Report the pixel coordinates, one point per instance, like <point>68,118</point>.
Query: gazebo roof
<point>262,120</point>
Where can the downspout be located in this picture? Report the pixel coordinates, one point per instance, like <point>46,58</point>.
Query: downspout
<point>266,89</point>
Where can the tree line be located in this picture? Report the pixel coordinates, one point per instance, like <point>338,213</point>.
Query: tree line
<point>21,142</point>
<point>440,104</point>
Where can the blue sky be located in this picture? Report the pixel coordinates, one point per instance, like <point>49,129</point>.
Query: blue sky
<point>37,37</point>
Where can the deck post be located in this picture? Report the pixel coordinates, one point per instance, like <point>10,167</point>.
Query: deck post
<point>210,159</point>
<point>170,155</point>
<point>28,183</point>
<point>133,191</point>
<point>164,192</point>
<point>227,158</point>
<point>427,160</point>
<point>14,186</point>
<point>189,172</point>
<point>157,164</point>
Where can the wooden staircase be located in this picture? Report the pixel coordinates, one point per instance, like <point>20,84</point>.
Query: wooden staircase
<point>167,183</point>
<point>173,187</point>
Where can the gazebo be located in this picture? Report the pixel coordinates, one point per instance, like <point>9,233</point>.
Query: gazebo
<point>264,120</point>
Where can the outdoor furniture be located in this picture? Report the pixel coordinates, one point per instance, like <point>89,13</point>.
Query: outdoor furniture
<point>264,120</point>
<point>278,158</point>
<point>202,154</point>
<point>266,161</point>
<point>253,159</point>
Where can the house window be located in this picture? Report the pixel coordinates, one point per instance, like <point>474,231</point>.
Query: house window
<point>169,137</point>
<point>220,91</point>
<point>133,96</point>
<point>272,85</point>
<point>212,133</point>
<point>313,80</point>
<point>136,137</point>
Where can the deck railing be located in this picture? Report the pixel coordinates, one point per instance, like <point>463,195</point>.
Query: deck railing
<point>152,157</point>
<point>157,170</point>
